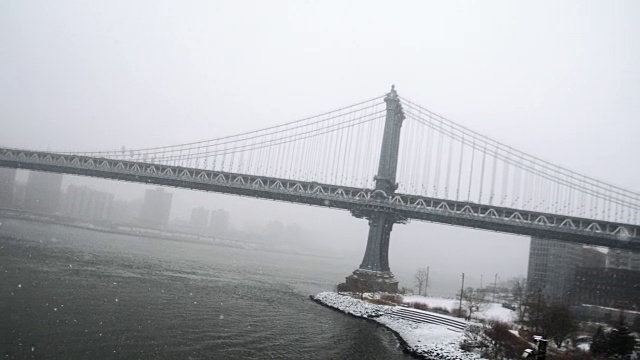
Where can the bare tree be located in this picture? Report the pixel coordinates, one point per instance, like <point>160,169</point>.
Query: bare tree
<point>474,301</point>
<point>498,333</point>
<point>558,322</point>
<point>406,291</point>
<point>518,291</point>
<point>534,305</point>
<point>422,277</point>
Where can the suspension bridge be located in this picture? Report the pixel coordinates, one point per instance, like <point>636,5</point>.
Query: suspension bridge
<point>387,160</point>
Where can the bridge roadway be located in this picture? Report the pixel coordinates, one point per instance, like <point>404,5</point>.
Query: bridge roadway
<point>360,202</point>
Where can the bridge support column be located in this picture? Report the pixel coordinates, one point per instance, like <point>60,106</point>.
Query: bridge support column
<point>376,257</point>
<point>374,273</point>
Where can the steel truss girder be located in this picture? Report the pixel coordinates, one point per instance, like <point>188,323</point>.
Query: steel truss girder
<point>357,200</point>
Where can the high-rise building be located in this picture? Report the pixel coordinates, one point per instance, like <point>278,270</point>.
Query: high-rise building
<point>88,204</point>
<point>7,182</point>
<point>42,194</point>
<point>552,267</point>
<point>156,208</point>
<point>199,218</point>
<point>623,259</point>
<point>219,221</point>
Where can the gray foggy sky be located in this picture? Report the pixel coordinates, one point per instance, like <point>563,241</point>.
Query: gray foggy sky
<point>557,79</point>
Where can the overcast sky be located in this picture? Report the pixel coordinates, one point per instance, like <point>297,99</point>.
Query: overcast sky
<point>557,79</point>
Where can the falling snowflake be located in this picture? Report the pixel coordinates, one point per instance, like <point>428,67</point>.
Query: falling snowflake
<point>116,299</point>
<point>221,317</point>
<point>19,286</point>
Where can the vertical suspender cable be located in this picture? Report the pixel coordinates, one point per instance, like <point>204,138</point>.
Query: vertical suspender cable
<point>493,176</point>
<point>473,155</point>
<point>505,181</point>
<point>436,184</point>
<point>460,167</point>
<point>484,156</point>
<point>430,131</point>
<point>449,158</point>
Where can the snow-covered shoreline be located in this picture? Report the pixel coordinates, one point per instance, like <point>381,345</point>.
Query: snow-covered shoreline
<point>426,341</point>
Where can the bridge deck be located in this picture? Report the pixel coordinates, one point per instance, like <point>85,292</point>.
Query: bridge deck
<point>359,201</point>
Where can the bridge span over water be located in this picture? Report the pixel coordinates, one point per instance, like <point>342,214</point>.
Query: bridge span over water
<point>435,170</point>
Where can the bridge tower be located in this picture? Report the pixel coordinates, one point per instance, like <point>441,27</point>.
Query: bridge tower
<point>374,273</point>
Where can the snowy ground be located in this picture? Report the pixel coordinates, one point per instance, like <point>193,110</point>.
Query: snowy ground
<point>491,311</point>
<point>430,341</point>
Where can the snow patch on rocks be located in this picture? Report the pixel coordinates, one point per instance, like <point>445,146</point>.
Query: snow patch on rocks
<point>429,341</point>
<point>352,306</point>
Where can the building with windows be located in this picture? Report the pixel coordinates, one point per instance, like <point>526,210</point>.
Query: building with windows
<point>623,259</point>
<point>156,208</point>
<point>7,183</point>
<point>608,287</point>
<point>42,194</point>
<point>82,202</point>
<point>552,268</point>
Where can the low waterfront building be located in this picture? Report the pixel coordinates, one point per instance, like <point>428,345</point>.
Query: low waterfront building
<point>609,287</point>
<point>623,259</point>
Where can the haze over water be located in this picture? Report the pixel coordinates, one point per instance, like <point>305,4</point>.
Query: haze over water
<point>71,293</point>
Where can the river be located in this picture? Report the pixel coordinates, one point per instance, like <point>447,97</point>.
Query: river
<point>70,293</point>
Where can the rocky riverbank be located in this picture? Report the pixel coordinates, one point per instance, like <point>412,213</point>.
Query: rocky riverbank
<point>424,341</point>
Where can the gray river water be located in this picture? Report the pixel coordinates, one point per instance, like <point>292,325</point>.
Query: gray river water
<point>68,293</point>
